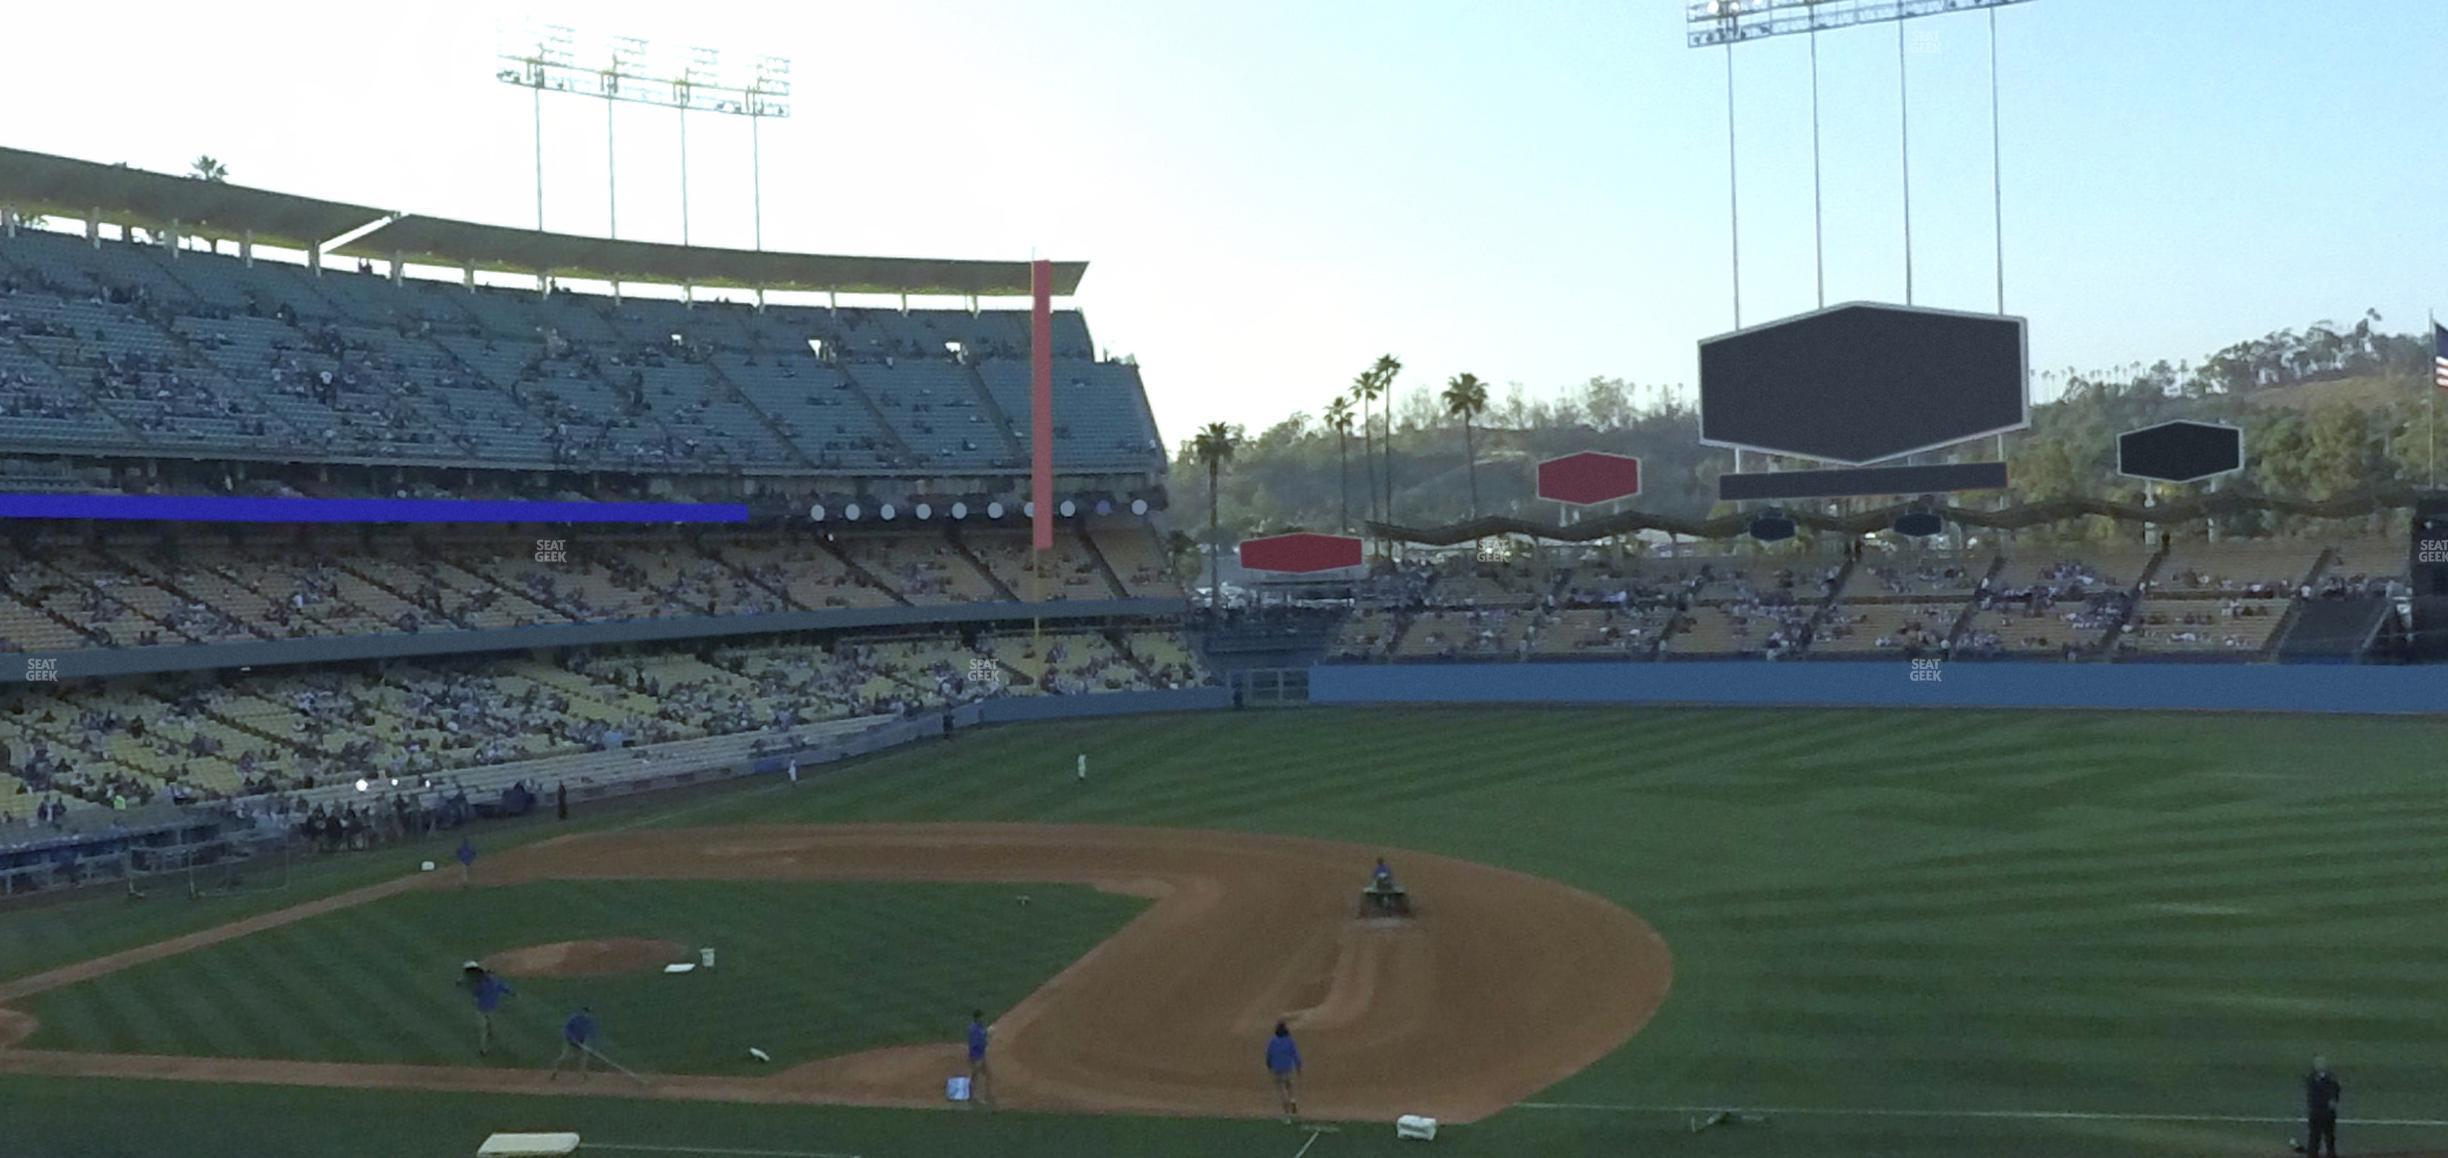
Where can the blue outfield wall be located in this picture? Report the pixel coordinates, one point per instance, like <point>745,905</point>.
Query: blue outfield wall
<point>2153,686</point>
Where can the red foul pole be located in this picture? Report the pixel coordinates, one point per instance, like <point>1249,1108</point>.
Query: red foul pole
<point>1041,402</point>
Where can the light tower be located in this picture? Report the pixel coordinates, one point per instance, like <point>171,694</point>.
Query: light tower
<point>632,71</point>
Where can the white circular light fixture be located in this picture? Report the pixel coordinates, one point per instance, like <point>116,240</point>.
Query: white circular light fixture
<point>960,510</point>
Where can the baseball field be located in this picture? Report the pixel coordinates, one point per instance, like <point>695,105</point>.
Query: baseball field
<point>1860,932</point>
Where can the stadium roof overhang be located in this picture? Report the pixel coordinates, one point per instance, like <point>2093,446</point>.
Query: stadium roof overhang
<point>40,184</point>
<point>500,249</point>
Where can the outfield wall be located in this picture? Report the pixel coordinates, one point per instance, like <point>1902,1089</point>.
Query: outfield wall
<point>2155,686</point>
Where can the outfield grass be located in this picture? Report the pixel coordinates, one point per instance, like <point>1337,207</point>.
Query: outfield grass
<point>805,971</point>
<point>1944,912</point>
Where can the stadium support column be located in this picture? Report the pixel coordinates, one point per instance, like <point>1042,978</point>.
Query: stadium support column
<point>1041,419</point>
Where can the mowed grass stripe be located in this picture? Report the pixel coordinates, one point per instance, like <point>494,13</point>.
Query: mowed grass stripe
<point>2369,873</point>
<point>405,958</point>
<point>1451,754</point>
<point>2135,854</point>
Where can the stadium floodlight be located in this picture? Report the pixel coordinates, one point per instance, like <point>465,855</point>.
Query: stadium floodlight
<point>538,59</point>
<point>768,96</point>
<point>1709,23</point>
<point>631,70</point>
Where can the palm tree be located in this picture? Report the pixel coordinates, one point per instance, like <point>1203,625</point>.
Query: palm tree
<point>1214,447</point>
<point>1365,389</point>
<point>1384,370</point>
<point>1466,399</point>
<point>1339,420</point>
<point>206,168</point>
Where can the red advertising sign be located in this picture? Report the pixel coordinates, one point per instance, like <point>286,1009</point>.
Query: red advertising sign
<point>1300,553</point>
<point>1589,477</point>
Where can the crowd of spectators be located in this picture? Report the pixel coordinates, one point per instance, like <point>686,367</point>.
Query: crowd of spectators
<point>1924,578</point>
<point>210,737</point>
<point>2202,624</point>
<point>378,370</point>
<point>1924,629</point>
<point>175,587</point>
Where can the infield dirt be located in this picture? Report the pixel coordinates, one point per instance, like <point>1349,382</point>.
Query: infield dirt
<point>1502,985</point>
<point>587,958</point>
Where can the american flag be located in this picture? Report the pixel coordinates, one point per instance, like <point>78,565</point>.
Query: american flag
<point>2439,355</point>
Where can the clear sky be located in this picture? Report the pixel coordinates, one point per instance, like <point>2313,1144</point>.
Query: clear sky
<point>1273,192</point>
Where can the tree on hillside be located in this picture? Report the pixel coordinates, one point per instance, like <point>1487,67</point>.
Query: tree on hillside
<point>205,168</point>
<point>1182,552</point>
<point>1339,420</point>
<point>2303,438</point>
<point>1386,369</point>
<point>1214,447</point>
<point>1364,388</point>
<point>1466,399</point>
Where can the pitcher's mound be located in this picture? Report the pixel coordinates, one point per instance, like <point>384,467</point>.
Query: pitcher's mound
<point>587,958</point>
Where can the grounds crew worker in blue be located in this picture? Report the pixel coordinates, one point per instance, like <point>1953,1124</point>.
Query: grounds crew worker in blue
<point>2320,1108</point>
<point>981,1081</point>
<point>1283,1061</point>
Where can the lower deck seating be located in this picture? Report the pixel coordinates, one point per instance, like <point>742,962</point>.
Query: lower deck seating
<point>230,734</point>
